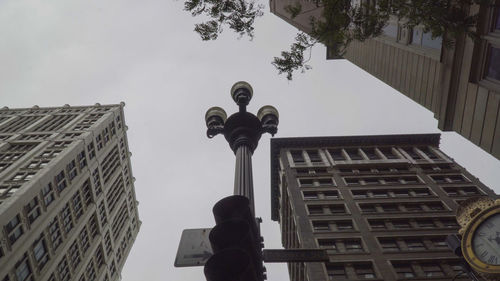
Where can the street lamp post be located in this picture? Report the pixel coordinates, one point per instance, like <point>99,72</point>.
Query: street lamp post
<point>242,131</point>
<point>236,239</point>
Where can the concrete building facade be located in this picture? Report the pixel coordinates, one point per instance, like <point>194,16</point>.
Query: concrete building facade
<point>381,206</point>
<point>460,85</point>
<point>68,209</point>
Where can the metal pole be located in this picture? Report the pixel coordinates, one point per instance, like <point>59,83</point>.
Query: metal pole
<point>243,179</point>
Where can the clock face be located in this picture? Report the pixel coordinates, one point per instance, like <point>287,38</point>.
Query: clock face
<point>486,240</point>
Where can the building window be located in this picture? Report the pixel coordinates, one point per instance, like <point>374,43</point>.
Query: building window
<point>33,210</point>
<point>48,194</point>
<point>492,69</point>
<point>306,182</point>
<point>331,194</point>
<point>77,205</point>
<point>371,153</point>
<point>63,270</point>
<point>459,190</point>
<point>82,160</point>
<point>403,270</point>
<point>98,141</point>
<point>412,153</point>
<point>312,182</point>
<point>23,269</point>
<point>315,157</point>
<point>429,153</point>
<point>336,272</point>
<point>97,182</point>
<point>364,271</point>
<point>415,244</point>
<point>377,224</point>
<point>61,181</point>
<point>449,179</point>
<point>315,209</point>
<point>14,229</point>
<point>337,154</point>
<point>321,225</point>
<point>432,270</point>
<point>367,208</point>
<point>354,154</point>
<point>74,254</point>
<point>401,224</point>
<point>298,157</point>
<point>449,223</point>
<point>90,270</point>
<point>71,168</point>
<point>310,195</point>
<point>91,150</point>
<point>86,191</point>
<point>329,244</point>
<point>92,226</point>
<point>99,257</point>
<point>66,218</point>
<point>388,153</point>
<point>333,225</point>
<point>337,209</point>
<point>359,194</point>
<point>439,243</point>
<point>55,233</point>
<point>344,225</point>
<point>84,240</point>
<point>107,243</point>
<point>390,208</point>
<point>425,223</point>
<point>353,246</point>
<point>325,181</point>
<point>388,244</point>
<point>40,252</point>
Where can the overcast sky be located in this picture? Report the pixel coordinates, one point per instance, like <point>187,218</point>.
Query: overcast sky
<point>145,54</point>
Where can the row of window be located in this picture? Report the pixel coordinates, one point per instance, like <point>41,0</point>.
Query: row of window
<point>26,173</point>
<point>403,207</point>
<point>32,211</point>
<point>55,110</point>
<point>385,193</point>
<point>88,121</point>
<point>340,225</point>
<point>110,164</point>
<point>318,157</point>
<point>23,269</point>
<point>351,271</point>
<point>402,269</point>
<point>381,180</point>
<point>19,123</point>
<point>386,244</point>
<point>420,243</point>
<point>54,122</point>
<point>400,207</point>
<point>12,152</point>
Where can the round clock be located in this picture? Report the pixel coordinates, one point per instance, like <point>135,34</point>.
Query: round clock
<point>481,241</point>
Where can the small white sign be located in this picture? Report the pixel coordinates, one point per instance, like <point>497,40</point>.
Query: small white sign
<point>194,248</point>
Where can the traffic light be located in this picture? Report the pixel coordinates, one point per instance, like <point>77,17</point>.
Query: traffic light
<point>236,243</point>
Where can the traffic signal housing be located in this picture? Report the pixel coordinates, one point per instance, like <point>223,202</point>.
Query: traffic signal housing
<point>236,243</point>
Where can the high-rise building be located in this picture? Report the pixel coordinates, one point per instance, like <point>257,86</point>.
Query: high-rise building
<point>460,84</point>
<point>382,206</point>
<point>68,209</point>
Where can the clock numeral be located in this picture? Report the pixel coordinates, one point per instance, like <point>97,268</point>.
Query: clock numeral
<point>493,260</point>
<point>484,253</point>
<point>481,234</point>
<point>489,224</point>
